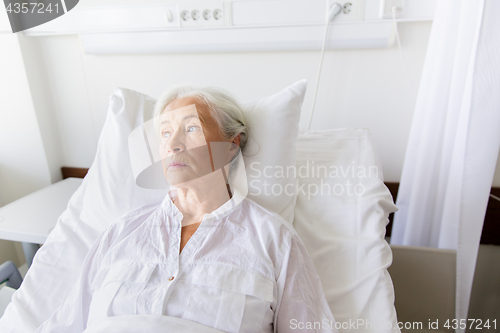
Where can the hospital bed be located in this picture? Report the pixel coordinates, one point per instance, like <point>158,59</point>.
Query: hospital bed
<point>339,208</point>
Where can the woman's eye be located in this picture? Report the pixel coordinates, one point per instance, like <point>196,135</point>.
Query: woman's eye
<point>192,128</point>
<point>165,134</point>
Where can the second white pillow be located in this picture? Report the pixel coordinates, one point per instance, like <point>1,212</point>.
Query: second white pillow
<point>271,150</point>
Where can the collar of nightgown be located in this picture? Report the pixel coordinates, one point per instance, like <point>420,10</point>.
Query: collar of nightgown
<point>216,215</point>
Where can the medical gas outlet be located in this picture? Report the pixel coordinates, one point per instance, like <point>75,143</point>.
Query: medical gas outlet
<point>202,14</point>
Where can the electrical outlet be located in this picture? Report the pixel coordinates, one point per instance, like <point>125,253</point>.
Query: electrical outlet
<point>352,10</point>
<point>386,8</point>
<point>201,14</point>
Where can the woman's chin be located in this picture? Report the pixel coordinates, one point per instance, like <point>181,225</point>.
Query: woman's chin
<point>172,180</point>
<point>176,177</point>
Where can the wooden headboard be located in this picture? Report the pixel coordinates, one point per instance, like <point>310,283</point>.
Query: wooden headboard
<point>491,227</point>
<point>68,172</point>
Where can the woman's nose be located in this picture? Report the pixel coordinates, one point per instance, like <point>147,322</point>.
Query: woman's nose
<point>176,143</point>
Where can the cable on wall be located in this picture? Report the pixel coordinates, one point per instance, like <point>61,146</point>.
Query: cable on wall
<point>393,10</point>
<point>87,91</point>
<point>335,9</point>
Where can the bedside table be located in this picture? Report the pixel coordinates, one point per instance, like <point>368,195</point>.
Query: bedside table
<point>30,219</point>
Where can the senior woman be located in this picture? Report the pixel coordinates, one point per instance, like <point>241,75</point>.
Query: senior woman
<point>206,254</point>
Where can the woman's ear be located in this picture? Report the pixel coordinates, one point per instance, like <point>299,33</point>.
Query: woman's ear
<point>235,145</point>
<point>237,140</point>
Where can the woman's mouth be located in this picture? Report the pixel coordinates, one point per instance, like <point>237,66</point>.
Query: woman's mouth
<point>176,165</point>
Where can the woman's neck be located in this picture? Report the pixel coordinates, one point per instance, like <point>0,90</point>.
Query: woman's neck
<point>201,196</point>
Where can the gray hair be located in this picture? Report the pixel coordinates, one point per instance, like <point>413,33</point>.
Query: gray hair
<point>224,108</point>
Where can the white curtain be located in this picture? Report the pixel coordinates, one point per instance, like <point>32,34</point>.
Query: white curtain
<point>454,139</point>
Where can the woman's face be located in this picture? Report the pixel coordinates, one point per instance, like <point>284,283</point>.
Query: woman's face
<point>186,130</point>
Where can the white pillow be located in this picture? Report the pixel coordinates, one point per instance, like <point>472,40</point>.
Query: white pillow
<point>273,125</point>
<point>109,190</point>
<point>341,213</point>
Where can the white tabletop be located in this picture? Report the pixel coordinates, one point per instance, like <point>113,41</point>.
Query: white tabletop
<point>31,218</point>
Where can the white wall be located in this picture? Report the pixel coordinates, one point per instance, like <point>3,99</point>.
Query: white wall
<point>23,162</point>
<point>359,88</point>
<point>44,107</point>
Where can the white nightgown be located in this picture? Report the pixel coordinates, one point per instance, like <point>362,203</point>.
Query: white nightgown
<point>243,270</point>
